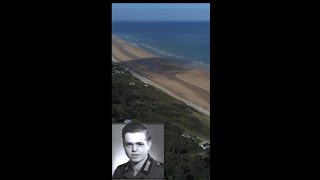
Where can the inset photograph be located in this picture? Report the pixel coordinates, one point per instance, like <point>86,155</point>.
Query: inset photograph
<point>137,151</point>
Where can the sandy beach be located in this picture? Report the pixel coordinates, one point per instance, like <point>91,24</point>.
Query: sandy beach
<point>192,84</point>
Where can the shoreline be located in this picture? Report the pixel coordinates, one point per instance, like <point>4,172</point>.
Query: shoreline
<point>189,85</point>
<point>195,63</point>
<point>147,81</point>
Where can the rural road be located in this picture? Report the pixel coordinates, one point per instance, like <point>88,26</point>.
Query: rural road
<point>147,81</point>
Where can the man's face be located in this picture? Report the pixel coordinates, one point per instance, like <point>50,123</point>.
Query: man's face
<point>136,146</point>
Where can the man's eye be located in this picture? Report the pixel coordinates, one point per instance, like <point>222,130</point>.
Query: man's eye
<point>128,145</point>
<point>140,144</point>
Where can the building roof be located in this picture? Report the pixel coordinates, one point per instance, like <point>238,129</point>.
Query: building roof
<point>127,121</point>
<point>206,144</point>
<point>186,134</point>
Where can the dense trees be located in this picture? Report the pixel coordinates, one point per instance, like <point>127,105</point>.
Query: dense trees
<point>178,162</point>
<point>149,104</point>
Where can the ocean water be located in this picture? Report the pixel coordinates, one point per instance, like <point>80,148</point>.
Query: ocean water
<point>181,41</point>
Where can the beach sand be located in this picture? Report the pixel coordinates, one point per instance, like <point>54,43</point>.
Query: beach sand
<point>192,84</point>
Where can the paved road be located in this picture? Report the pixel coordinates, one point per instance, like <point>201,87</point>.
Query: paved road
<point>147,81</point>
<point>203,141</point>
<point>189,103</point>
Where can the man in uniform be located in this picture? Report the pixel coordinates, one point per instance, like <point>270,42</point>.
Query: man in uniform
<point>137,143</point>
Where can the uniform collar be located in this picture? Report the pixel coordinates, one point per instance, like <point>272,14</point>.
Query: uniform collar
<point>147,165</point>
<point>145,169</point>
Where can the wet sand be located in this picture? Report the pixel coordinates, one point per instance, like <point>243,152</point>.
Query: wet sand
<point>192,84</point>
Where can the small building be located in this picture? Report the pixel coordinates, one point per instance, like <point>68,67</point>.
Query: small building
<point>187,135</point>
<point>127,121</point>
<point>205,145</point>
<point>145,85</point>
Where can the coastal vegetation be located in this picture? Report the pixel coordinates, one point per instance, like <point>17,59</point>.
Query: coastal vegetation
<point>133,99</point>
<point>147,103</point>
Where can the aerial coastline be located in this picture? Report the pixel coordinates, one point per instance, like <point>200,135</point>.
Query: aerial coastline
<point>161,74</point>
<point>189,83</point>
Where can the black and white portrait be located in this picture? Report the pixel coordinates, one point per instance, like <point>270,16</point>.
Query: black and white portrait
<point>138,151</point>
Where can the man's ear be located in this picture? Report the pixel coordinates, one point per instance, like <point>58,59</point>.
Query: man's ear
<point>150,143</point>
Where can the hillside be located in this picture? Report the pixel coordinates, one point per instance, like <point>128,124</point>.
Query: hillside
<point>135,100</point>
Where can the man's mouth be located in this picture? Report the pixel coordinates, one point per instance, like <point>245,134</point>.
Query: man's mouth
<point>134,155</point>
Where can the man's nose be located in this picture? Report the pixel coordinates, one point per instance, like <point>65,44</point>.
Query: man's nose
<point>134,148</point>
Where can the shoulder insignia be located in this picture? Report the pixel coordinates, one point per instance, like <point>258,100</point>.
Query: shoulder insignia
<point>147,166</point>
<point>159,164</point>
